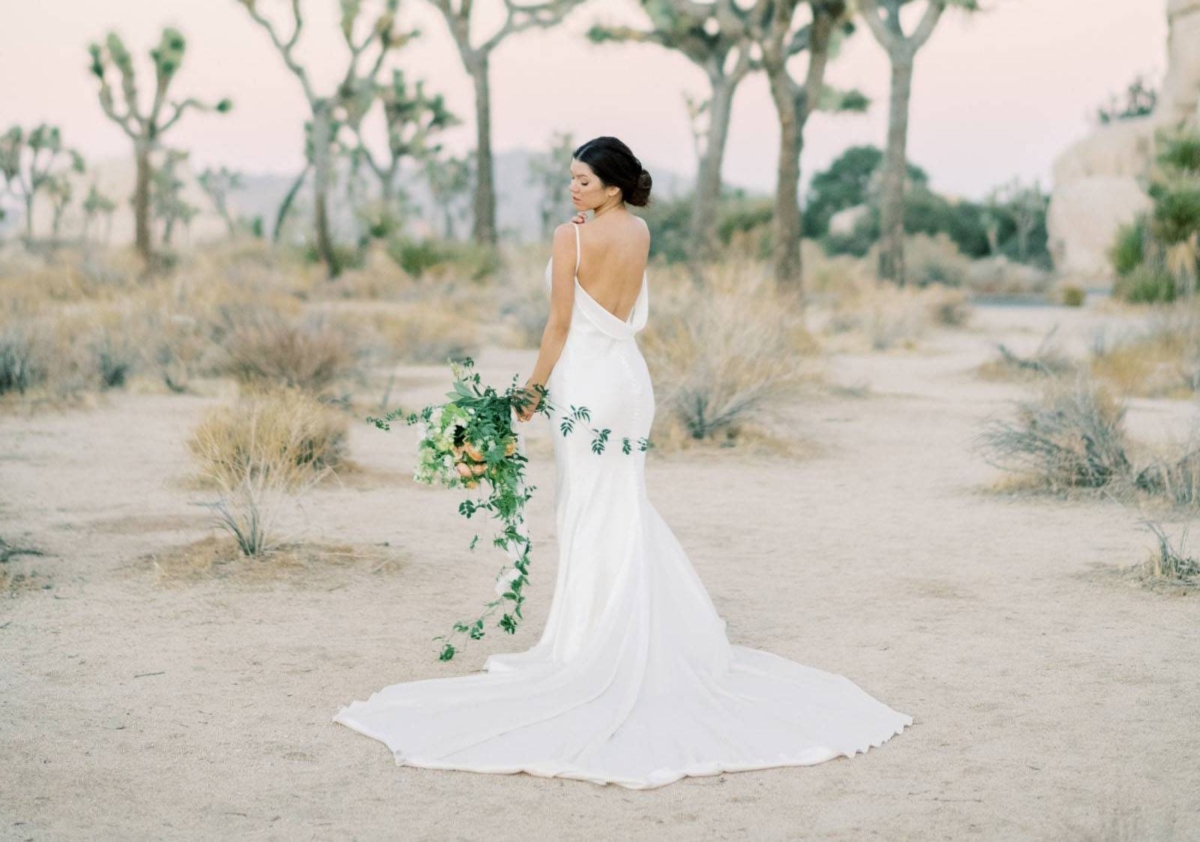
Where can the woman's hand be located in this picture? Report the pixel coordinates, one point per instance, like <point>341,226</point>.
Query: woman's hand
<point>532,400</point>
<point>580,218</point>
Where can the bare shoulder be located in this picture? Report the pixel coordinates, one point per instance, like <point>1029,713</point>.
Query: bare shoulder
<point>564,232</point>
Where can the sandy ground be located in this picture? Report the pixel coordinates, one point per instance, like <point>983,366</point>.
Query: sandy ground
<point>1049,695</point>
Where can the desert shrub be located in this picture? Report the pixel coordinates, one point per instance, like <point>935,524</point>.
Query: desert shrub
<point>1128,246</point>
<point>263,347</point>
<point>1169,561</point>
<point>22,359</point>
<point>1162,360</point>
<point>1072,296</point>
<point>1001,276</point>
<point>888,317</point>
<point>439,257</point>
<point>269,447</point>
<point>287,432</point>
<point>1146,284</point>
<point>1047,360</point>
<point>1071,436</point>
<point>117,358</point>
<point>947,307</point>
<point>934,259</point>
<point>722,375</point>
<point>1174,474</point>
<point>424,332</point>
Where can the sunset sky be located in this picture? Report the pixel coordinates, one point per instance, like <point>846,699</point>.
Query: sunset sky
<point>995,96</point>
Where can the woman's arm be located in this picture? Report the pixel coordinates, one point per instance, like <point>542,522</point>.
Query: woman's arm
<point>562,303</point>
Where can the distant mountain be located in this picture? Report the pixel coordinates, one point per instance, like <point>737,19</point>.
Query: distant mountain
<point>261,194</point>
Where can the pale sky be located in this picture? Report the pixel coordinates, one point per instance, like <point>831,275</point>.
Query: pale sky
<point>995,96</point>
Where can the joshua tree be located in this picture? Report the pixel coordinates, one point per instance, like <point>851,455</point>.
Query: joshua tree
<point>29,165</point>
<point>770,24</point>
<point>329,110</point>
<point>413,119</point>
<point>902,52</point>
<point>97,204</point>
<point>713,36</point>
<point>167,195</point>
<point>476,61</point>
<point>217,184</point>
<point>549,172</point>
<point>145,127</point>
<point>449,181</point>
<point>61,192</point>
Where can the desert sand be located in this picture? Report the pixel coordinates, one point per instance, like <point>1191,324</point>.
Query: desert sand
<point>1052,697</point>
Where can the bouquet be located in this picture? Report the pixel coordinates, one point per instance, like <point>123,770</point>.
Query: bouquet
<point>470,442</point>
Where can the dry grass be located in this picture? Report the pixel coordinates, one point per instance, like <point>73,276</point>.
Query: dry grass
<point>220,557</point>
<point>1161,361</point>
<point>419,332</point>
<point>884,317</point>
<point>15,575</point>
<point>1169,562</point>
<point>284,432</point>
<point>1071,436</point>
<point>1047,360</point>
<point>724,358</point>
<point>1174,474</point>
<point>263,347</point>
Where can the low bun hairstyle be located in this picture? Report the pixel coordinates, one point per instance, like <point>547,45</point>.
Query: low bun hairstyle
<point>614,164</point>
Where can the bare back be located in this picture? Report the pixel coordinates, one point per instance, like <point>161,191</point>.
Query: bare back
<point>614,251</point>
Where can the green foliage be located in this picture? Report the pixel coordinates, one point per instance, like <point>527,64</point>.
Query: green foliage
<point>1127,251</point>
<point>470,441</point>
<point>1176,214</point>
<point>1138,100</point>
<point>417,257</point>
<point>1145,284</point>
<point>1157,257</point>
<point>670,222</point>
<point>851,180</point>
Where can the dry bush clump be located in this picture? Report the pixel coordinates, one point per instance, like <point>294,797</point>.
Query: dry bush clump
<point>725,356</point>
<point>1070,436</point>
<point>271,447</point>
<point>886,317</point>
<point>1047,360</point>
<point>930,260</point>
<point>265,347</point>
<point>1170,562</point>
<point>419,332</point>
<point>1174,474</point>
<point>1161,361</point>
<point>285,431</point>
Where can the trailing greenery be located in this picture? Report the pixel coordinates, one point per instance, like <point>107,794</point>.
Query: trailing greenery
<point>470,440</point>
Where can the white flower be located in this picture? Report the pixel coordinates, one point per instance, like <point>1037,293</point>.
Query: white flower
<point>505,579</point>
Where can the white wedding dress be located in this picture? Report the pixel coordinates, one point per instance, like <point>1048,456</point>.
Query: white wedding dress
<point>633,681</point>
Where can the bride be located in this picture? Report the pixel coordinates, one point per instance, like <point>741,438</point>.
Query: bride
<point>633,681</point>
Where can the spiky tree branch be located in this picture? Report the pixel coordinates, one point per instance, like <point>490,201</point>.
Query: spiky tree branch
<point>144,126</point>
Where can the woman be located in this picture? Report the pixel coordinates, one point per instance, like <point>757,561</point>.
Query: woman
<point>633,681</point>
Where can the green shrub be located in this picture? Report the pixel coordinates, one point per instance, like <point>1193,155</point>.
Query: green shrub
<point>1146,284</point>
<point>1128,250</point>
<point>418,257</point>
<point>1073,296</point>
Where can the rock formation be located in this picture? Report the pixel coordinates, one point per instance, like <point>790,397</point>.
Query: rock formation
<point>1098,181</point>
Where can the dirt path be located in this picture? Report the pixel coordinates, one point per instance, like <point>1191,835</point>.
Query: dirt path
<point>1045,694</point>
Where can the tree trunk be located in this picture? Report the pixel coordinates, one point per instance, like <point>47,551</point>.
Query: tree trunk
<point>485,187</point>
<point>895,173</point>
<point>286,205</point>
<point>785,251</point>
<point>708,178</point>
<point>141,199</point>
<point>322,143</point>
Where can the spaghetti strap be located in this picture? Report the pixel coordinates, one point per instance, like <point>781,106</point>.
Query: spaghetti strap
<point>577,249</point>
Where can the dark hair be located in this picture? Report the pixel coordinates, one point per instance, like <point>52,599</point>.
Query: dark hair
<point>613,163</point>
